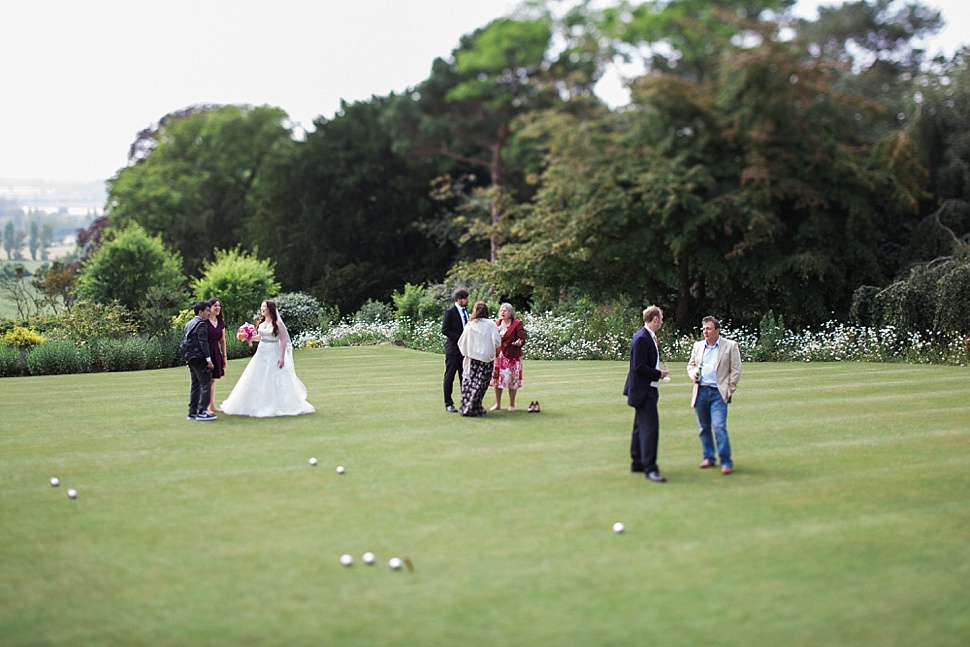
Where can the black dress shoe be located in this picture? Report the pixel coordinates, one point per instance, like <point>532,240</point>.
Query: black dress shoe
<point>656,477</point>
<point>636,468</point>
<point>451,408</point>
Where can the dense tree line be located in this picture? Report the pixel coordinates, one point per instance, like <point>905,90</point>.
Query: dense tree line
<point>764,163</point>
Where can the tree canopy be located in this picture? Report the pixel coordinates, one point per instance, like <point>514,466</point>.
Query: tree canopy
<point>764,163</point>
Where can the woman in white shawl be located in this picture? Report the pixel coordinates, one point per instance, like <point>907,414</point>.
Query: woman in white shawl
<point>478,343</point>
<point>269,386</point>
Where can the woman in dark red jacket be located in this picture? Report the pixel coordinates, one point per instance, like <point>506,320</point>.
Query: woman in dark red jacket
<point>507,373</point>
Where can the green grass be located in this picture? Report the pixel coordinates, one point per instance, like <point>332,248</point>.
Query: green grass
<point>846,523</point>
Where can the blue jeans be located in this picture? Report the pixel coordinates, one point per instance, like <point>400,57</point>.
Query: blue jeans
<point>711,411</point>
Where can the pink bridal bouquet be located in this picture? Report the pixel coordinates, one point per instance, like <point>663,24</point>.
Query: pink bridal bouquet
<point>246,332</point>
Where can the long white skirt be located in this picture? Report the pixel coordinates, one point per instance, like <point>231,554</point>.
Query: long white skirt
<point>265,390</point>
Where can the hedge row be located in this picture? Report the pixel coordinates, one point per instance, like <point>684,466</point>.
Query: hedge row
<point>133,353</point>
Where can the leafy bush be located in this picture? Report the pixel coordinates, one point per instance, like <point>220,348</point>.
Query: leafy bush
<point>953,300</point>
<point>59,358</point>
<point>932,298</point>
<point>88,320</point>
<point>21,337</point>
<point>299,312</point>
<point>126,266</point>
<point>180,320</point>
<point>415,304</point>
<point>239,280</point>
<point>374,312</point>
<point>771,338</point>
<point>235,348</point>
<point>865,310</point>
<point>10,364</point>
<point>155,313</point>
<point>117,355</point>
<point>909,305</point>
<point>162,350</point>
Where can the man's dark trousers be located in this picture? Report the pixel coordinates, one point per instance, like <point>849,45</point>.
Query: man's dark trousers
<point>646,433</point>
<point>201,386</point>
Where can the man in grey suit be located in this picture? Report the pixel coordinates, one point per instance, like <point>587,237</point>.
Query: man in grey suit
<point>715,368</point>
<point>641,394</point>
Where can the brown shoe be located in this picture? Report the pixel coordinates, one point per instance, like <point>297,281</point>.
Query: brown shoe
<point>707,463</point>
<point>727,469</point>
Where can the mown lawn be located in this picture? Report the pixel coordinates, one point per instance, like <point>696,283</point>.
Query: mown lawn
<point>846,523</point>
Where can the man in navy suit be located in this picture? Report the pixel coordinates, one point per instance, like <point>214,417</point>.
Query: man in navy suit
<point>452,326</point>
<point>641,394</point>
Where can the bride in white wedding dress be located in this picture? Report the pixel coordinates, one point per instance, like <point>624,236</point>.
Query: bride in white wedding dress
<point>269,386</point>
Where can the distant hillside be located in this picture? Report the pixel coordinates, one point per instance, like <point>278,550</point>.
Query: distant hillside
<point>52,195</point>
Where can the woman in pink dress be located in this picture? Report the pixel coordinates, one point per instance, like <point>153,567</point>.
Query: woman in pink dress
<point>507,373</point>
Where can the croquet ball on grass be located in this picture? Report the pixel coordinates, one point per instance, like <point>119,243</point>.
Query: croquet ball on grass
<point>340,469</point>
<point>368,559</point>
<point>395,563</point>
<point>313,461</point>
<point>54,481</point>
<point>346,560</point>
<point>618,527</point>
<point>72,493</point>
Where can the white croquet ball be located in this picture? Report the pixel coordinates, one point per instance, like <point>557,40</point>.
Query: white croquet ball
<point>54,481</point>
<point>368,558</point>
<point>72,493</point>
<point>666,379</point>
<point>313,461</point>
<point>618,527</point>
<point>346,560</point>
<point>340,469</point>
<point>395,563</point>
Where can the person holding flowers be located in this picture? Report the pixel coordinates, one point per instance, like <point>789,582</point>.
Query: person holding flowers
<point>269,386</point>
<point>217,348</point>
<point>715,369</point>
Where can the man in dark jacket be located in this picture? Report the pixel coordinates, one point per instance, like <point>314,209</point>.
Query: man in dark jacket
<point>452,326</point>
<point>200,363</point>
<point>641,394</point>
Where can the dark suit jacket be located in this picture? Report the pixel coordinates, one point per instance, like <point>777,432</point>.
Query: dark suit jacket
<point>451,328</point>
<point>643,368</point>
<point>198,334</point>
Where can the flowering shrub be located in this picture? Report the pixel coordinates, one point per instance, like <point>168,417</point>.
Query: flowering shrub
<point>21,337</point>
<point>570,337</point>
<point>299,311</point>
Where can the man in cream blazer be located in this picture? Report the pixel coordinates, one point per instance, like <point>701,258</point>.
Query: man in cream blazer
<point>715,368</point>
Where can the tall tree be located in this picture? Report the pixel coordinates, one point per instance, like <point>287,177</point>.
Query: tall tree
<point>341,212</point>
<point>465,110</point>
<point>34,238</point>
<point>940,130</point>
<point>191,178</point>
<point>749,187</point>
<point>872,45</point>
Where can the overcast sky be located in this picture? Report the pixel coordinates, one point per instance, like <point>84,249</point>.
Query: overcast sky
<point>80,78</point>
